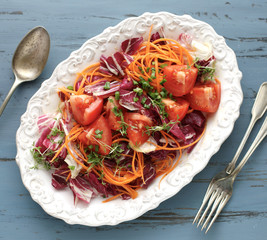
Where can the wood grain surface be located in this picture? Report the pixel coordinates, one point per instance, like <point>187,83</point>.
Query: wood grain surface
<point>70,24</point>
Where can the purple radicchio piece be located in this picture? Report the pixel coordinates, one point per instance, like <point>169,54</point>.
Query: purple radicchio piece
<point>52,135</point>
<point>127,101</point>
<point>59,177</point>
<point>155,37</point>
<point>103,188</point>
<point>174,128</point>
<point>193,126</point>
<point>99,90</point>
<point>202,64</point>
<point>194,118</point>
<point>81,190</point>
<point>127,83</point>
<point>96,183</point>
<point>89,79</point>
<point>115,64</point>
<point>149,173</point>
<point>130,46</point>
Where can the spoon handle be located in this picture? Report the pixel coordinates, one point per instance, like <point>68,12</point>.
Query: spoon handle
<point>260,136</point>
<point>14,86</point>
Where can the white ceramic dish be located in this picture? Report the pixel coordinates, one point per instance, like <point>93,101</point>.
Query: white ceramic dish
<point>60,203</point>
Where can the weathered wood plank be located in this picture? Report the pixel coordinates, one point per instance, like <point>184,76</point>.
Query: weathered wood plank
<point>70,24</point>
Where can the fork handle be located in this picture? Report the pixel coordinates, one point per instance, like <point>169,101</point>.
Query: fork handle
<point>260,136</point>
<point>257,112</point>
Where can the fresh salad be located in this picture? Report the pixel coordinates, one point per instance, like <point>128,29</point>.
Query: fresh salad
<point>128,118</point>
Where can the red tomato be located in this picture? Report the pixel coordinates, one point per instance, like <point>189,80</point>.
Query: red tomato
<point>98,134</point>
<point>180,79</point>
<point>176,108</point>
<point>113,120</point>
<point>205,97</point>
<point>85,108</point>
<point>136,130</point>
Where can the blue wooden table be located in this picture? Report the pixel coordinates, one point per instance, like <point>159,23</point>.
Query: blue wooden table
<point>70,24</point>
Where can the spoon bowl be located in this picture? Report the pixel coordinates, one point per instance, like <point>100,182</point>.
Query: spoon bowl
<point>29,58</point>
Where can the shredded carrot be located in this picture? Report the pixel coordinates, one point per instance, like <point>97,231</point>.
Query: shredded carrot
<point>68,177</point>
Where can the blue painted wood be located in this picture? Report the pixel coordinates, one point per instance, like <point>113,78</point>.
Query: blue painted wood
<point>70,24</point>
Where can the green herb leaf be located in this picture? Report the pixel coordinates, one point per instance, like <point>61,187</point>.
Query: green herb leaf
<point>71,167</point>
<point>98,134</point>
<point>139,91</point>
<point>163,65</point>
<point>117,95</point>
<point>163,81</point>
<point>107,86</point>
<point>135,99</point>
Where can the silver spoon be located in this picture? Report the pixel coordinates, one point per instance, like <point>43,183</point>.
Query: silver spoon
<point>29,59</point>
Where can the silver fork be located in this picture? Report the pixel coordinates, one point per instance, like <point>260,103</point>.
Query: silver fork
<point>221,186</point>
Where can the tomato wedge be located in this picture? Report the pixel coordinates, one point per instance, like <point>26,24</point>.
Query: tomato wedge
<point>136,130</point>
<point>113,120</point>
<point>205,97</point>
<point>85,108</point>
<point>98,134</point>
<point>180,79</point>
<point>176,109</point>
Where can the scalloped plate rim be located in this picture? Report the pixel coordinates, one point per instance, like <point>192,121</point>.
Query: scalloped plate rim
<point>155,205</point>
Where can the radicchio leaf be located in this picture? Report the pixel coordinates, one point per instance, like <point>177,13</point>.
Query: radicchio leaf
<point>194,118</point>
<point>155,37</point>
<point>59,177</point>
<point>81,190</point>
<point>130,46</point>
<point>127,101</point>
<point>50,139</point>
<point>127,83</point>
<point>202,64</point>
<point>115,64</point>
<point>149,174</point>
<point>95,183</point>
<point>99,90</point>
<point>193,125</point>
<point>103,188</point>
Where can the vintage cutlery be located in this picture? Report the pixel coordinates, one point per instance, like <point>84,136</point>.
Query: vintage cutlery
<point>221,186</point>
<point>29,59</point>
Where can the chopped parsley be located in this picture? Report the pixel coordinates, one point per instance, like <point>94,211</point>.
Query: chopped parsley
<point>139,91</point>
<point>98,134</point>
<point>163,81</point>
<point>71,167</point>
<point>143,100</point>
<point>117,95</point>
<point>135,99</point>
<point>107,86</point>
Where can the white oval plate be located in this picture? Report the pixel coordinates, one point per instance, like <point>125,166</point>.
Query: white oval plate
<point>60,203</point>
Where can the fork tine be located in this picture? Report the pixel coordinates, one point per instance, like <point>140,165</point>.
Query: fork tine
<point>219,209</point>
<point>205,200</point>
<point>214,207</point>
<point>212,198</point>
